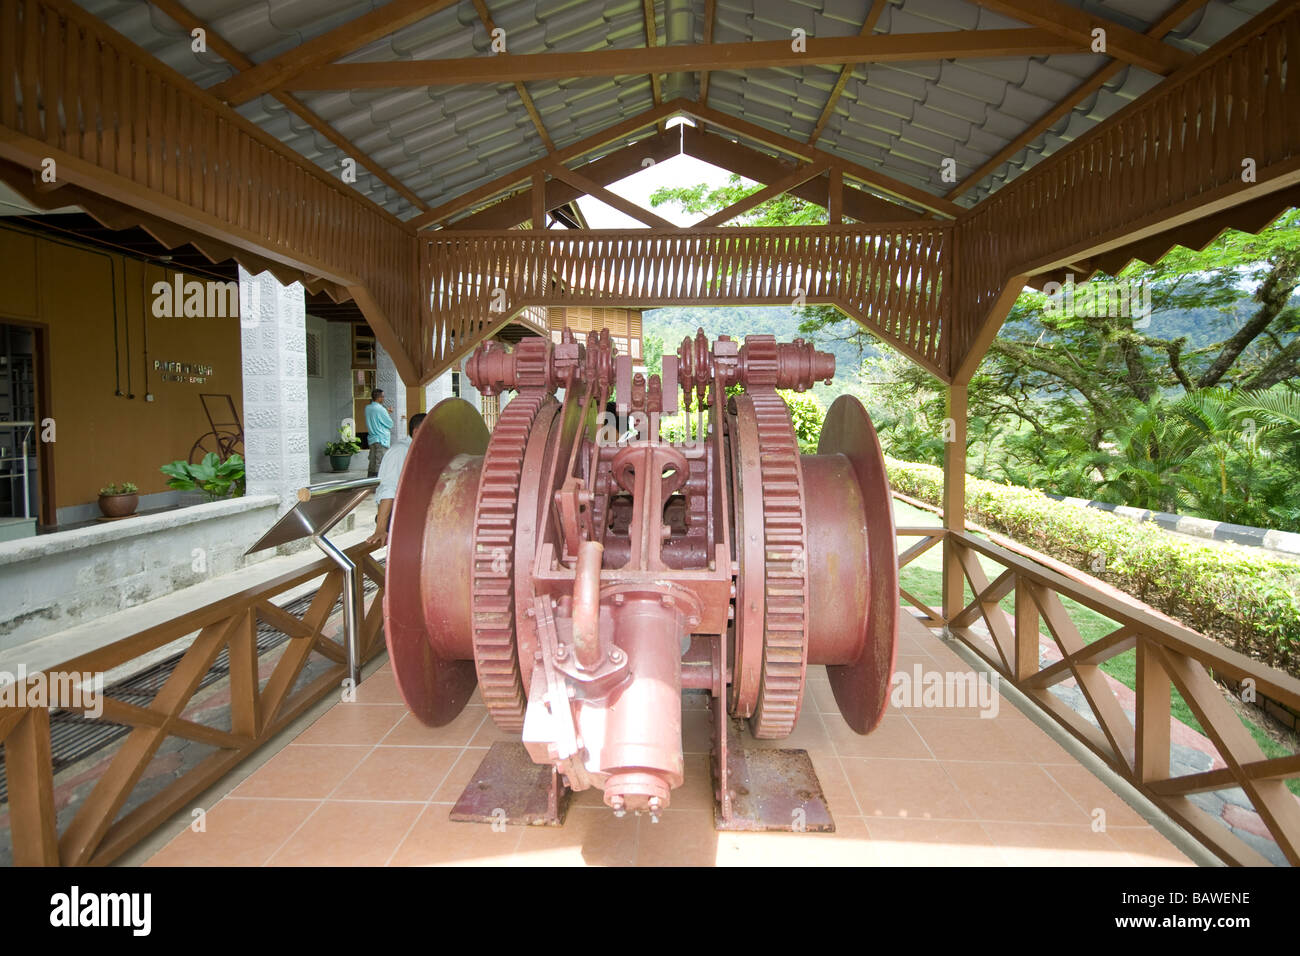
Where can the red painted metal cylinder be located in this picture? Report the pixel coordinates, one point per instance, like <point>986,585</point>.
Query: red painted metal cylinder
<point>446,568</point>
<point>643,739</point>
<point>838,581</point>
<point>586,605</point>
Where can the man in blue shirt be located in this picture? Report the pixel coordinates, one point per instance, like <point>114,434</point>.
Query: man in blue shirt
<point>379,423</point>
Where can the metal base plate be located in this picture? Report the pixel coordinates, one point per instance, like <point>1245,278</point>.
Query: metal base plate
<point>508,788</point>
<point>765,789</point>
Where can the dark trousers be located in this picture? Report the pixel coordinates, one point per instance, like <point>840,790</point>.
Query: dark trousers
<point>376,456</point>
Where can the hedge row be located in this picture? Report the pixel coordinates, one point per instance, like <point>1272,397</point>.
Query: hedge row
<point>1247,602</point>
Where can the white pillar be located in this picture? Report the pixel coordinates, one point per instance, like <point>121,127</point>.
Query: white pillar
<point>386,377</point>
<point>273,346</point>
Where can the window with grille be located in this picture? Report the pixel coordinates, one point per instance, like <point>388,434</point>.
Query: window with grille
<point>315,360</point>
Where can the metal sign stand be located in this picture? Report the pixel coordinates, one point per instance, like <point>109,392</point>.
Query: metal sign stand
<point>319,509</point>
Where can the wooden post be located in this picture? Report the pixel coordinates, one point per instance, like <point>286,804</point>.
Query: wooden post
<point>539,200</point>
<point>414,400</point>
<point>31,791</point>
<point>954,497</point>
<point>835,197</point>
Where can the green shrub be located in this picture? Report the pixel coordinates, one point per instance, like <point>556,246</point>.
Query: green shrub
<point>215,478</point>
<point>1245,601</point>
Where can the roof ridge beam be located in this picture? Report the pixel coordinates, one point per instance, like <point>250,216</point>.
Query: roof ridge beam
<point>1071,23</point>
<point>327,47</point>
<point>514,67</point>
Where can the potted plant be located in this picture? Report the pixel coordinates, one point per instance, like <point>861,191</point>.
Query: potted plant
<point>215,478</point>
<point>119,501</point>
<point>340,452</point>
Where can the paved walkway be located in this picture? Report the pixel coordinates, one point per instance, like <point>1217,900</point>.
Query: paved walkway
<point>366,784</point>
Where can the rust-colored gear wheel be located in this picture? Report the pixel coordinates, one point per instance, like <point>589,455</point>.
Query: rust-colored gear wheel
<point>772,607</point>
<point>496,654</point>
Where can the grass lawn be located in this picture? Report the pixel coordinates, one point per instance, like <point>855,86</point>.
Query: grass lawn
<point>924,577</point>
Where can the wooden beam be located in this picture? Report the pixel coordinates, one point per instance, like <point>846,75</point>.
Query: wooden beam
<point>510,212</point>
<point>1176,15</point>
<point>750,163</point>
<point>1071,23</point>
<point>710,17</point>
<point>509,68</point>
<point>652,43</point>
<point>758,197</point>
<point>873,16</point>
<point>876,180</point>
<point>835,197</point>
<point>218,44</point>
<point>954,500</point>
<point>966,362</point>
<point>381,22</point>
<point>597,191</point>
<point>524,173</point>
<point>524,97</point>
<point>538,197</point>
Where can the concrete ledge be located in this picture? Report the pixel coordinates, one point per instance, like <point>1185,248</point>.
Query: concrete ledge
<point>1284,542</point>
<point>53,582</point>
<point>40,546</point>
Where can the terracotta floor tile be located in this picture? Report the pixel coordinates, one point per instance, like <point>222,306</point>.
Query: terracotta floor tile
<point>919,690</point>
<point>931,843</point>
<point>960,738</point>
<point>489,733</point>
<point>1091,794</point>
<point>238,832</point>
<point>835,784</point>
<point>379,688</point>
<point>1035,743</point>
<point>302,772</point>
<point>409,732</point>
<point>1146,846</point>
<point>819,695</point>
<point>590,837</point>
<point>697,731</point>
<point>348,834</point>
<point>1013,792</point>
<point>353,724</point>
<point>435,840</point>
<point>680,838</point>
<point>1043,844</point>
<point>916,789</point>
<point>459,776</point>
<point>895,737</point>
<point>398,773</point>
<point>849,845</point>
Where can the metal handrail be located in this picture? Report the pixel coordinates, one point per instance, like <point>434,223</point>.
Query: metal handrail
<point>26,473</point>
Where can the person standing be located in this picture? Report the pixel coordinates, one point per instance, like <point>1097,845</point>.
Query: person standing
<point>379,424</point>
<point>389,474</point>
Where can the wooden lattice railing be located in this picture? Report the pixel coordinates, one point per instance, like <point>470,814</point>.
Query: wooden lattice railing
<point>97,834</point>
<point>118,122</point>
<point>1167,654</point>
<point>1177,151</point>
<point>891,278</point>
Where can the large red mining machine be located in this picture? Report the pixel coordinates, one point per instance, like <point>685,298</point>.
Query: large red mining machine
<point>592,577</point>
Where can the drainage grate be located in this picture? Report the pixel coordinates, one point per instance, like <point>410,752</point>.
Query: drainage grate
<point>73,737</point>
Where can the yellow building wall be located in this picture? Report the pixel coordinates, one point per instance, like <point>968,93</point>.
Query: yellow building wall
<point>100,437</point>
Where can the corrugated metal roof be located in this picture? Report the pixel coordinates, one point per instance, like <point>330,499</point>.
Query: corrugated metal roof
<point>901,119</point>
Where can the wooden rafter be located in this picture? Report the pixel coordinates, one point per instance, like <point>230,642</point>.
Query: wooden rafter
<point>710,17</point>
<point>524,97</point>
<point>869,25</point>
<point>597,191</point>
<point>876,180</point>
<point>758,197</point>
<point>1176,15</point>
<point>239,61</point>
<point>507,181</point>
<point>652,43</point>
<point>1073,24</point>
<point>509,68</point>
<point>381,22</point>
<point>761,168</point>
<point>510,212</point>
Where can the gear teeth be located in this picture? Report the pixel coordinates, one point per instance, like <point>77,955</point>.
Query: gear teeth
<point>785,570</point>
<point>496,649</point>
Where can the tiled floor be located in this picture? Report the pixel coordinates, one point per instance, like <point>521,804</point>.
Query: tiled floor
<point>367,785</point>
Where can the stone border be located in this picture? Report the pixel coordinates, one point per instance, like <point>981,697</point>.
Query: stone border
<point>109,532</point>
<point>1282,542</point>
